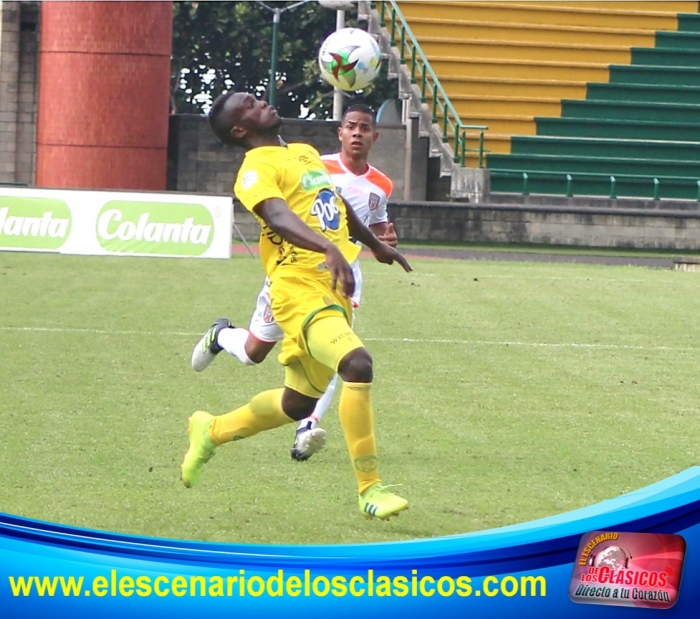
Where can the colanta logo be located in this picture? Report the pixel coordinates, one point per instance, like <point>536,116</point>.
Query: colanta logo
<point>33,223</point>
<point>315,179</point>
<point>155,228</point>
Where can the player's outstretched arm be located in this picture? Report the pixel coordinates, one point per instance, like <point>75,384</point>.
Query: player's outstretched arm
<point>382,252</point>
<point>385,232</point>
<point>276,214</point>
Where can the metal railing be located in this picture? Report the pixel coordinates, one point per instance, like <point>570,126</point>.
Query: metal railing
<point>422,75</point>
<point>653,183</point>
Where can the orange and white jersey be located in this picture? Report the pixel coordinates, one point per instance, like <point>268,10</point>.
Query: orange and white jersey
<point>366,193</point>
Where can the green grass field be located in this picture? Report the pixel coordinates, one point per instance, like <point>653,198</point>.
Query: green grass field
<point>504,392</point>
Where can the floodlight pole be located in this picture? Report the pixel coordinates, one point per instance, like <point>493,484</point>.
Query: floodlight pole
<point>273,60</point>
<point>276,16</point>
<point>337,93</point>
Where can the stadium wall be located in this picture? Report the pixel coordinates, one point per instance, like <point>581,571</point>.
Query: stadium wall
<point>198,163</point>
<point>548,220</point>
<point>18,90</point>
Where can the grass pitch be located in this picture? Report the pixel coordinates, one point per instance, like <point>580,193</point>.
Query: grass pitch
<point>504,392</point>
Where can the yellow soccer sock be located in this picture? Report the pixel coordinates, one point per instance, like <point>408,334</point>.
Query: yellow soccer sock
<point>357,419</point>
<point>263,412</point>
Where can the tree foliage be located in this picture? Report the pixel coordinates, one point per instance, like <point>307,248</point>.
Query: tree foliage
<point>219,46</point>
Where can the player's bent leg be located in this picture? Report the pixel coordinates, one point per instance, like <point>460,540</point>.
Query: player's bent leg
<point>242,344</point>
<point>307,442</point>
<point>297,405</point>
<point>207,432</point>
<point>310,439</point>
<point>305,380</point>
<point>257,349</point>
<point>357,419</point>
<point>264,412</point>
<point>254,344</point>
<point>331,342</point>
<point>201,448</point>
<point>208,346</point>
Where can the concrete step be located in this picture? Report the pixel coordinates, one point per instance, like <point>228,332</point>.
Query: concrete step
<point>465,48</point>
<point>513,68</point>
<point>483,86</point>
<point>638,15</point>
<point>542,33</point>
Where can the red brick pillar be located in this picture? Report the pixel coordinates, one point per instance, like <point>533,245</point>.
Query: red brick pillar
<point>104,87</point>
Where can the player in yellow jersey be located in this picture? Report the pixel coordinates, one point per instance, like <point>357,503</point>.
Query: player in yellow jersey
<point>306,252</point>
<point>365,189</point>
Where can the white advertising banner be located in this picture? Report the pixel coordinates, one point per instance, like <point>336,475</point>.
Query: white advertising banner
<point>115,223</point>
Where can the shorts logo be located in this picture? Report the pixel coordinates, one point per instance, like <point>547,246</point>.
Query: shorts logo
<point>249,179</point>
<point>628,569</point>
<point>268,316</point>
<point>374,200</point>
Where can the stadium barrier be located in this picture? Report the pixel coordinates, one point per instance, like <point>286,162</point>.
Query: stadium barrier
<point>571,184</point>
<point>87,222</point>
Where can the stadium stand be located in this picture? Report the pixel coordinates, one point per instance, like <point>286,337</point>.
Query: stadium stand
<point>594,98</point>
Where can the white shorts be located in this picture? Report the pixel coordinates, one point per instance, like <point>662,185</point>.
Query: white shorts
<point>262,323</point>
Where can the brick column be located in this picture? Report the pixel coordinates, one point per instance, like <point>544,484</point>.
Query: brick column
<point>9,72</point>
<point>104,84</point>
<point>27,92</point>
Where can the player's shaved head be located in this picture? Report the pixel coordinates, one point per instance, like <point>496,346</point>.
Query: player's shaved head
<point>240,119</point>
<point>222,118</point>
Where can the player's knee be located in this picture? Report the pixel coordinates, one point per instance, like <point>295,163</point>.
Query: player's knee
<point>296,405</point>
<point>258,350</point>
<point>356,367</point>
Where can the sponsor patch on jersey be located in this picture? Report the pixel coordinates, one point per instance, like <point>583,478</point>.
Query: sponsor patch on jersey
<point>374,200</point>
<point>315,179</point>
<point>249,179</point>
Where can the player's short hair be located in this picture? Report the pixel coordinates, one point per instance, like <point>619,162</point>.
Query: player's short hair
<point>220,122</point>
<point>363,109</point>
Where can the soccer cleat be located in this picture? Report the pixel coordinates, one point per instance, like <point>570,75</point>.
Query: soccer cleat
<point>308,441</point>
<point>201,448</point>
<point>207,348</point>
<point>378,502</point>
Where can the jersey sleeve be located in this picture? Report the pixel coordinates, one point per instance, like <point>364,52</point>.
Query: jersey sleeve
<point>257,180</point>
<point>378,214</point>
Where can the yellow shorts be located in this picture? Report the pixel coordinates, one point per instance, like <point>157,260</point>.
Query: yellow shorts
<point>315,321</point>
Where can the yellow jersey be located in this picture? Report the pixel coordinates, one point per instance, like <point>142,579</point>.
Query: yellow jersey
<point>294,173</point>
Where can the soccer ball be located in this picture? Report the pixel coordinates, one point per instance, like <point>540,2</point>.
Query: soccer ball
<point>349,59</point>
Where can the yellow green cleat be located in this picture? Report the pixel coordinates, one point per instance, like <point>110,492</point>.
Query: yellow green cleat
<point>201,448</point>
<point>378,502</point>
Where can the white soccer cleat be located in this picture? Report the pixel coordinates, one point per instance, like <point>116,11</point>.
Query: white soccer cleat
<point>207,348</point>
<point>308,442</point>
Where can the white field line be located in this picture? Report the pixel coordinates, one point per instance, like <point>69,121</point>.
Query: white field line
<point>405,340</point>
